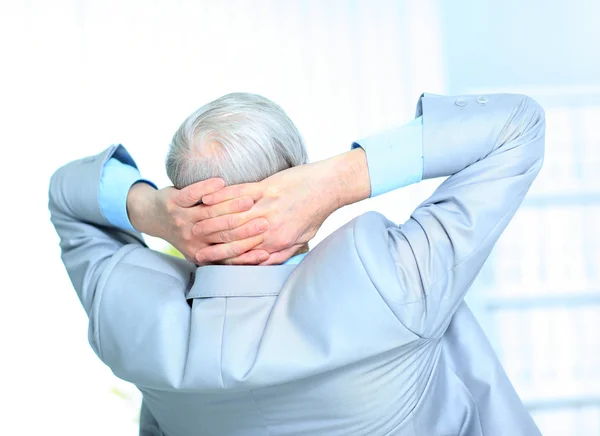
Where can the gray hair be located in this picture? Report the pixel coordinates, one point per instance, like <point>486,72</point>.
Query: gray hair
<point>239,137</point>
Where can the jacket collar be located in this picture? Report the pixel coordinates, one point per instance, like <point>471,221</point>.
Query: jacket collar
<point>239,281</point>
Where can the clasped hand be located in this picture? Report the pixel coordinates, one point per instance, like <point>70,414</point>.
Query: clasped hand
<point>256,223</point>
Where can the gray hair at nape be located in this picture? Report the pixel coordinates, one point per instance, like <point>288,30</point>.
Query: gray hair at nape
<point>239,137</point>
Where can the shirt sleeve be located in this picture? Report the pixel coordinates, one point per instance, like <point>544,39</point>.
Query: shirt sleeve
<point>394,157</point>
<point>117,178</point>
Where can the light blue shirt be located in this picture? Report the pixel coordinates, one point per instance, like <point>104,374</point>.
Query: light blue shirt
<point>295,260</point>
<point>394,157</point>
<point>117,178</point>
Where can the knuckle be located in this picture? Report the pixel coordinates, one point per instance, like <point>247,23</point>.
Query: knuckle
<point>210,212</point>
<point>231,222</point>
<point>196,189</point>
<point>249,230</point>
<point>261,225</point>
<point>276,223</point>
<point>170,207</point>
<point>224,236</point>
<point>236,248</point>
<point>283,240</point>
<point>206,230</point>
<point>248,202</point>
<point>273,191</point>
<point>179,222</point>
<point>211,239</point>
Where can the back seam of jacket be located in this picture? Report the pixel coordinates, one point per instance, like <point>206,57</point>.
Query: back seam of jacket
<point>187,351</point>
<point>222,341</point>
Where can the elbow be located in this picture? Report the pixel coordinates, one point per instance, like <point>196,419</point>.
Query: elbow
<point>534,116</point>
<point>526,129</point>
<point>533,124</point>
<point>53,190</point>
<point>56,200</point>
<point>56,190</point>
<point>536,132</point>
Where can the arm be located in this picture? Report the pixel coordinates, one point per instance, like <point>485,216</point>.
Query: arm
<point>91,245</point>
<point>492,152</point>
<point>169,214</point>
<point>88,242</point>
<point>345,180</point>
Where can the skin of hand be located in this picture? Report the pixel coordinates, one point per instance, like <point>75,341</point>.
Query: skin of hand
<point>294,202</point>
<point>171,214</point>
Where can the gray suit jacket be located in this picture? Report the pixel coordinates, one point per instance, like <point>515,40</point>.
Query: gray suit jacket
<point>368,335</point>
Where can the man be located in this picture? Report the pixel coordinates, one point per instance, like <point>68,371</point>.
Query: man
<point>366,335</point>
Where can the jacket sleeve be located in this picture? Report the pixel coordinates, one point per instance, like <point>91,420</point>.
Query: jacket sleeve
<point>89,243</point>
<point>134,297</point>
<point>492,148</point>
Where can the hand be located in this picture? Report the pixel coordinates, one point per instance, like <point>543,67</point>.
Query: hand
<point>295,202</point>
<point>170,214</point>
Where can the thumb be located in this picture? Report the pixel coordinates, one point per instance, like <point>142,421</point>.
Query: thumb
<point>192,194</point>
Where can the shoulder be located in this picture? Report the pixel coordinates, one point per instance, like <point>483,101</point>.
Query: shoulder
<point>361,244</point>
<point>151,261</point>
<point>139,278</point>
<point>370,234</point>
<point>139,291</point>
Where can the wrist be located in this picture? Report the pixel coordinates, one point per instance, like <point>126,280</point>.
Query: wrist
<point>349,177</point>
<point>140,204</point>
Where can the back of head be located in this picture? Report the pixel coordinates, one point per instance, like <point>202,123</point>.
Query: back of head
<point>239,137</point>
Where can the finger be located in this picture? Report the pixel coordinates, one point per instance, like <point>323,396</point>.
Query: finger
<point>219,252</point>
<point>280,257</point>
<point>252,257</point>
<point>236,205</point>
<point>252,228</point>
<point>221,223</point>
<point>192,194</point>
<point>231,192</point>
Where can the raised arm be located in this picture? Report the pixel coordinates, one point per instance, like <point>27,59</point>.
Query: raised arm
<point>492,148</point>
<point>87,202</point>
<point>87,239</point>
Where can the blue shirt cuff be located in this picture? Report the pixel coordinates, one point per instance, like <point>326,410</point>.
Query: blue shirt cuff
<point>295,260</point>
<point>117,178</point>
<point>394,157</point>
